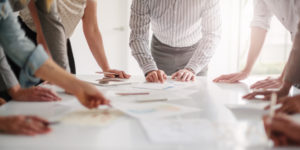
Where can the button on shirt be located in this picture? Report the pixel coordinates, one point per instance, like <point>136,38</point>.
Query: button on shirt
<point>287,12</point>
<point>19,48</point>
<point>177,23</point>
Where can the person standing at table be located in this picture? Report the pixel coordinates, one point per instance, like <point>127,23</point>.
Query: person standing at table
<point>185,36</point>
<point>71,13</point>
<point>34,61</point>
<point>287,12</point>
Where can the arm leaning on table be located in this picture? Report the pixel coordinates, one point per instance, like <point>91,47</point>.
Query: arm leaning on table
<point>94,39</point>
<point>10,84</point>
<point>211,35</point>
<point>292,72</point>
<point>260,25</point>
<point>139,41</point>
<point>35,62</point>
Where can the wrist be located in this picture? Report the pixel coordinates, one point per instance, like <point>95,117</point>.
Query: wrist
<point>285,89</point>
<point>246,71</point>
<point>13,92</point>
<point>149,72</point>
<point>191,70</point>
<point>106,68</point>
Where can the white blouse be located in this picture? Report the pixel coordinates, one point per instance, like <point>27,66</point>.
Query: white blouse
<point>287,12</point>
<point>71,12</point>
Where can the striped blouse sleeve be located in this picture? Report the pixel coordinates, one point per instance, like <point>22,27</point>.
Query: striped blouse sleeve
<point>139,36</point>
<point>211,35</point>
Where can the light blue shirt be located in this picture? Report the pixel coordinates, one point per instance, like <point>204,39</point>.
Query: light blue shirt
<point>19,48</point>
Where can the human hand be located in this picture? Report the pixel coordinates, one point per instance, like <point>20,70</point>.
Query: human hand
<point>284,91</point>
<point>117,73</point>
<point>89,96</point>
<point>290,105</point>
<point>2,101</point>
<point>266,95</point>
<point>184,75</point>
<point>156,76</point>
<point>32,94</point>
<point>27,125</point>
<point>268,83</point>
<point>232,78</point>
<point>282,130</point>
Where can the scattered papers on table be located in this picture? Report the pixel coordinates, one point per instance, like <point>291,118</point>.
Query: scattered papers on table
<point>98,117</point>
<point>152,110</point>
<point>203,131</point>
<point>179,131</point>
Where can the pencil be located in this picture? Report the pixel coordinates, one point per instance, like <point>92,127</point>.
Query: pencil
<point>128,94</point>
<point>151,100</point>
<point>272,105</point>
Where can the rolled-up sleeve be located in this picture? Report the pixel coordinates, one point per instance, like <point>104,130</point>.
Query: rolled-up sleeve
<point>21,50</point>
<point>211,32</point>
<point>261,15</point>
<point>292,74</point>
<point>139,37</point>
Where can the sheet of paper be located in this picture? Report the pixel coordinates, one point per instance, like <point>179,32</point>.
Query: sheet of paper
<point>198,131</point>
<point>179,131</point>
<point>96,117</point>
<point>153,110</point>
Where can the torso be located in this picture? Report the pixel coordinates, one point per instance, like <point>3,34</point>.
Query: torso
<point>70,11</point>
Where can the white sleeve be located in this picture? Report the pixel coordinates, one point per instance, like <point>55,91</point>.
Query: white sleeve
<point>261,15</point>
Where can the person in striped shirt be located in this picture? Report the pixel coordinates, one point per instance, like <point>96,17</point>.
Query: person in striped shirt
<point>185,36</point>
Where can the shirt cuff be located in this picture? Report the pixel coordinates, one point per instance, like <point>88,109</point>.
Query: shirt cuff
<point>196,68</point>
<point>261,24</point>
<point>37,58</point>
<point>149,67</point>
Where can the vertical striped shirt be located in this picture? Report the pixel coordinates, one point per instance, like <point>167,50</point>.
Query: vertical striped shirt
<point>177,23</point>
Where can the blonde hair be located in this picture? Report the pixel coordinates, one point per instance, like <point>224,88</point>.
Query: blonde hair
<point>48,4</point>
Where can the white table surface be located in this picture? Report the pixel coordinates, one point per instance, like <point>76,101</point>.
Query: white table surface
<point>219,103</point>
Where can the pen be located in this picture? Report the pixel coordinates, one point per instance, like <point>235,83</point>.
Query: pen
<point>151,100</point>
<point>108,73</point>
<point>52,123</point>
<point>128,94</point>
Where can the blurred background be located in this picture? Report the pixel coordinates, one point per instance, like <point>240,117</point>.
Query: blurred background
<point>231,55</point>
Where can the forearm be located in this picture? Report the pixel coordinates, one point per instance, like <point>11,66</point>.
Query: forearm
<point>293,66</point>
<point>36,20</point>
<point>95,43</point>
<point>53,73</point>
<point>203,54</point>
<point>258,36</point>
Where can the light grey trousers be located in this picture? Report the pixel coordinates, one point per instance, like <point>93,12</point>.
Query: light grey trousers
<point>171,59</point>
